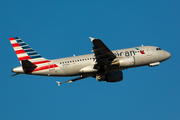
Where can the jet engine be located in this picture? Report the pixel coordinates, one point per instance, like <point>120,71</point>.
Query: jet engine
<point>110,77</point>
<point>123,62</point>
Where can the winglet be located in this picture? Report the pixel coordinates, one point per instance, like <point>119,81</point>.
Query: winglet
<point>70,81</point>
<point>59,83</point>
<point>91,38</point>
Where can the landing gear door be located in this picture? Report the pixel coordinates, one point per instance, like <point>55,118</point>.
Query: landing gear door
<point>148,51</point>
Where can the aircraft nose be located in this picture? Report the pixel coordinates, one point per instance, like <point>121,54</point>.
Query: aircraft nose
<point>168,55</point>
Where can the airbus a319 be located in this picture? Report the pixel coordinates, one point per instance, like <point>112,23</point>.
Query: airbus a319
<point>103,64</point>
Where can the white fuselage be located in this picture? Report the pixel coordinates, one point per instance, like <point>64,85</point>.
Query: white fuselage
<point>83,64</point>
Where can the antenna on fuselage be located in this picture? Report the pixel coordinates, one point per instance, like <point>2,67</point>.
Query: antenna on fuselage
<point>74,55</point>
<point>142,45</point>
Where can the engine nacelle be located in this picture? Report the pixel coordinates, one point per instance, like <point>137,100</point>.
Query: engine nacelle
<point>114,77</point>
<point>124,61</point>
<point>110,77</point>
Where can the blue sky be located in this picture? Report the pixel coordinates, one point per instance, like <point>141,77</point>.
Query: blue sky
<point>57,29</point>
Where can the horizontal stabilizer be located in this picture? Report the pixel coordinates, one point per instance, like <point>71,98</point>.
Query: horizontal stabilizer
<point>15,74</point>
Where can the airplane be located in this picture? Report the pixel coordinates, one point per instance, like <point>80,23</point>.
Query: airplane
<point>103,64</point>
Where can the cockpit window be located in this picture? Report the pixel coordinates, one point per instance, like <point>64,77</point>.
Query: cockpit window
<point>158,48</point>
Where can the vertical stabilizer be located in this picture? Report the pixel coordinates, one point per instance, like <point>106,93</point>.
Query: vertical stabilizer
<point>25,52</point>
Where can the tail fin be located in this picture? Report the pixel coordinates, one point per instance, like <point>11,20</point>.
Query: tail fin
<point>24,51</point>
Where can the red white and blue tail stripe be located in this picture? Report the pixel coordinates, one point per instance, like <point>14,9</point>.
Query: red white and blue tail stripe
<point>24,51</point>
<point>25,54</point>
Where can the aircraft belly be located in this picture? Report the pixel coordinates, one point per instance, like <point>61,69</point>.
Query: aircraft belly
<point>42,72</point>
<point>48,72</point>
<point>71,70</point>
<point>142,60</point>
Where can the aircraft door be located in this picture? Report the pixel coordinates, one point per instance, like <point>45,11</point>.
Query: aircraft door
<point>51,66</point>
<point>148,51</point>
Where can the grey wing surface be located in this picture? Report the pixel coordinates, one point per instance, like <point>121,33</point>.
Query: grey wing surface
<point>102,53</point>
